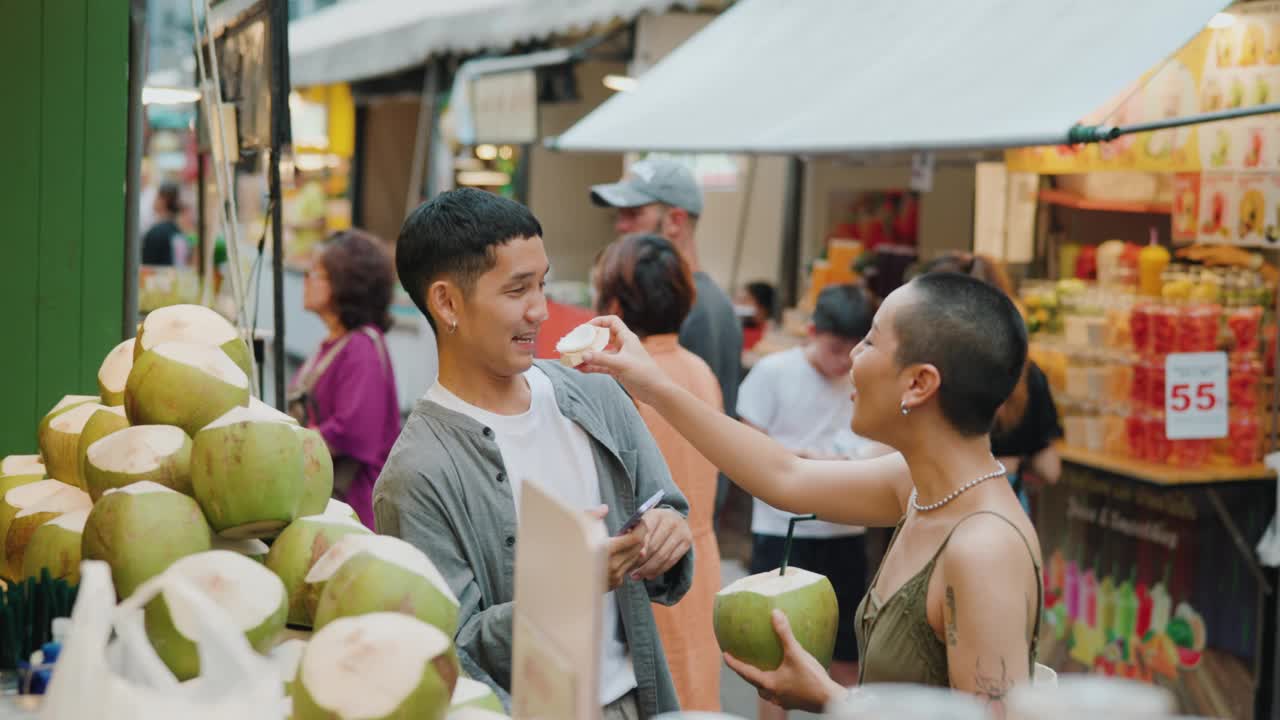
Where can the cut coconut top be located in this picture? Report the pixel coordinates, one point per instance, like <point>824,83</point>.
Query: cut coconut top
<point>328,519</point>
<point>475,713</point>
<point>73,420</point>
<point>287,656</point>
<point>137,449</point>
<point>258,406</point>
<point>247,590</point>
<point>205,358</point>
<point>365,666</point>
<point>72,400</point>
<point>22,465</point>
<point>25,496</point>
<point>140,488</point>
<point>245,546</point>
<point>252,413</point>
<point>385,548</point>
<point>771,584</point>
<point>62,500</point>
<point>73,521</point>
<point>114,372</point>
<point>337,507</point>
<point>584,337</point>
<point>467,690</point>
<point>186,323</point>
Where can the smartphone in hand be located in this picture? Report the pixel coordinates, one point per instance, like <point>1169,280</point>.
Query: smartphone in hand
<point>648,505</point>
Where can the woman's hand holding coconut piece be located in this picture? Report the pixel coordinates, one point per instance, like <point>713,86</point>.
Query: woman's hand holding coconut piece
<point>799,683</point>
<point>581,340</point>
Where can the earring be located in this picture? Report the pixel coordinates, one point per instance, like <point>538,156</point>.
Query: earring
<point>903,407</point>
<point>453,328</point>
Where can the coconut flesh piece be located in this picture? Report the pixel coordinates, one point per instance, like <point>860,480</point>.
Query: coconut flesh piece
<point>252,548</point>
<point>159,453</point>
<point>60,442</point>
<point>114,373</point>
<point>581,340</point>
<point>62,500</point>
<point>374,665</point>
<point>744,629</point>
<point>56,545</point>
<point>22,465</point>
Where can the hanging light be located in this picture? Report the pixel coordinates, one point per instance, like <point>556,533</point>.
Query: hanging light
<point>486,152</point>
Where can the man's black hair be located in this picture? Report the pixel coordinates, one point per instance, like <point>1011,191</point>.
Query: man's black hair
<point>844,311</point>
<point>976,338</point>
<point>456,234</point>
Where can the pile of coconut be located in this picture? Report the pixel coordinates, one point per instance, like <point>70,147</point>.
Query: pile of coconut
<point>175,467</point>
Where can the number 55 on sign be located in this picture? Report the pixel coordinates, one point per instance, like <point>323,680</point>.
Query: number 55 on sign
<point>1195,396</point>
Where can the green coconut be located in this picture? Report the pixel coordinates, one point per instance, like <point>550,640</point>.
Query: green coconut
<point>22,466</point>
<point>185,384</point>
<point>28,519</point>
<point>60,442</point>
<point>101,423</point>
<point>298,548</point>
<point>55,546</point>
<point>114,373</point>
<point>412,665</point>
<point>468,712</point>
<point>250,594</point>
<point>317,473</point>
<point>140,530</point>
<point>158,453</point>
<point>383,574</point>
<point>193,324</point>
<point>474,694</point>
<point>252,548</point>
<point>22,494</point>
<point>247,473</point>
<point>744,628</point>
<point>66,403</point>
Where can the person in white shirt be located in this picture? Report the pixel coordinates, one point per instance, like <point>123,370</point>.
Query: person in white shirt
<point>801,398</point>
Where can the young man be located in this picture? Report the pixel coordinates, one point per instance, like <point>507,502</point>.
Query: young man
<point>662,197</point>
<point>801,398</point>
<point>474,264</point>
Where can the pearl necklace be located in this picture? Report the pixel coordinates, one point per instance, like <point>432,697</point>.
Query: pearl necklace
<point>956,493</point>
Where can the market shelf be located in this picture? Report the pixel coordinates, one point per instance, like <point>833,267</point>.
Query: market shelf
<point>1072,200</point>
<point>1160,474</point>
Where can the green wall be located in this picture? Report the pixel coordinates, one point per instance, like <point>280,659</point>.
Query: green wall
<point>63,129</point>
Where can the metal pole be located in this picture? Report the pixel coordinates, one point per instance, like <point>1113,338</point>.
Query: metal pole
<point>793,214</point>
<point>278,28</point>
<point>133,166</point>
<point>1102,133</point>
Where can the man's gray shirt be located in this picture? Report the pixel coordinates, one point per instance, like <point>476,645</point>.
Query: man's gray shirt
<point>712,332</point>
<point>444,489</point>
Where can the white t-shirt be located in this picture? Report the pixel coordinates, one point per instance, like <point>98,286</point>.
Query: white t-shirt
<point>544,445</point>
<point>788,398</point>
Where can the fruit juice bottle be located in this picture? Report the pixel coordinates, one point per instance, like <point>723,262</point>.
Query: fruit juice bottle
<point>1107,604</point>
<point>1089,598</point>
<point>1155,382</point>
<point>1152,261</point>
<point>1244,377</point>
<point>1135,430</point>
<point>1244,435</point>
<point>1139,390</point>
<point>1140,319</point>
<point>1071,589</point>
<point>1157,442</point>
<point>1126,602</point>
<point>1161,603</point>
<point>1245,326</point>
<point>1198,327</point>
<point>1142,622</point>
<point>1164,329</point>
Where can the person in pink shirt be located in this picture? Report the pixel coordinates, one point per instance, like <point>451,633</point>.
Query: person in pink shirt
<point>347,389</point>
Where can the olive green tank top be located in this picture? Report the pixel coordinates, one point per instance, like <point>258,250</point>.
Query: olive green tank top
<point>895,641</point>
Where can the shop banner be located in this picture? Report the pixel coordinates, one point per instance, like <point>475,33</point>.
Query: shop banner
<point>1144,582</point>
<point>1224,68</point>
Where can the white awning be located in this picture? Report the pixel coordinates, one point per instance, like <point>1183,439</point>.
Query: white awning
<point>855,76</point>
<point>360,39</point>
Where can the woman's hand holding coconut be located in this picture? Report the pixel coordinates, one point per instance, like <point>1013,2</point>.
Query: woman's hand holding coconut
<point>799,683</point>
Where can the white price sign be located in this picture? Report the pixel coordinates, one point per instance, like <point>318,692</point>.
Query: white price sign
<point>1195,396</point>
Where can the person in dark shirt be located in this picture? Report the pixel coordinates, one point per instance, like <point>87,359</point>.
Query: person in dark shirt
<point>164,243</point>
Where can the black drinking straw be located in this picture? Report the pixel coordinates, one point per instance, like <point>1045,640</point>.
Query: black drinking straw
<point>786,548</point>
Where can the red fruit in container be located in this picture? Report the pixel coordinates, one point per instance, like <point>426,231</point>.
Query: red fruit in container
<point>1244,377</point>
<point>1135,428</point>
<point>1244,435</point>
<point>1159,447</point>
<point>1155,382</point>
<point>1164,329</point>
<point>1244,324</point>
<point>1140,326</point>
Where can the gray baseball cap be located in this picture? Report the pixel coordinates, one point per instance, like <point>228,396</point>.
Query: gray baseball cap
<point>652,180</point>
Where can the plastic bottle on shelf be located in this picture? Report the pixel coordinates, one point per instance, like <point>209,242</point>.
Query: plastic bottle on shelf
<point>1152,261</point>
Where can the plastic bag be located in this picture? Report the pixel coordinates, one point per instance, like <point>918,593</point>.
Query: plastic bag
<point>1269,546</point>
<point>127,680</point>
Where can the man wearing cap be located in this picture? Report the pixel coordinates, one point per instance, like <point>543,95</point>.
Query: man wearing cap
<point>662,197</point>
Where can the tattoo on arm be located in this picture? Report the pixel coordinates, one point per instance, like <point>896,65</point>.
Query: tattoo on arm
<point>952,635</point>
<point>991,687</point>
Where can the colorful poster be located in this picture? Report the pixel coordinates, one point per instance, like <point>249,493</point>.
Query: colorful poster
<point>1186,207</point>
<point>1232,67</point>
<point>1144,582</point>
<point>1218,207</point>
